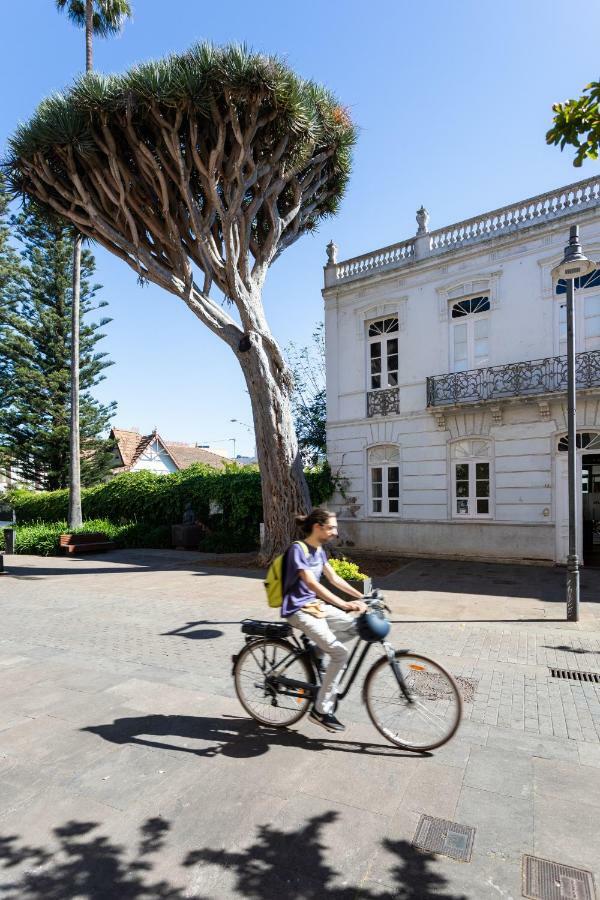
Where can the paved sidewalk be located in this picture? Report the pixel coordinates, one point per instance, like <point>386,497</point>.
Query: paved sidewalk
<point>129,770</point>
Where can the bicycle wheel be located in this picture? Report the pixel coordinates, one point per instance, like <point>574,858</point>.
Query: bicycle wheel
<point>255,678</point>
<point>430,719</point>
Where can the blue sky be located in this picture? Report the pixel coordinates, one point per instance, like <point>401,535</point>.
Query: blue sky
<point>452,98</point>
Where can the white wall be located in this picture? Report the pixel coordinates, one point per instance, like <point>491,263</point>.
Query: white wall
<point>516,272</point>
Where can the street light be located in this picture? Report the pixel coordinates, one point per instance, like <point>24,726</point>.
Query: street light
<point>574,265</point>
<point>249,427</point>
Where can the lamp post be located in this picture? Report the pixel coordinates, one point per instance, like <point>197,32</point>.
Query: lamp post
<point>249,427</point>
<point>574,265</point>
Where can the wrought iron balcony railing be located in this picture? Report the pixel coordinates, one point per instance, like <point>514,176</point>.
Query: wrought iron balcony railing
<point>383,403</point>
<point>531,378</point>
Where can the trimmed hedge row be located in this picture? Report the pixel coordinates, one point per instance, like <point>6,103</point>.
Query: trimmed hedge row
<point>228,501</point>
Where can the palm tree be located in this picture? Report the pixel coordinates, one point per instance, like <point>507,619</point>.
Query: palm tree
<point>103,18</point>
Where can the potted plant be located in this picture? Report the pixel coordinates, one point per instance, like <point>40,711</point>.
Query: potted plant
<point>350,572</point>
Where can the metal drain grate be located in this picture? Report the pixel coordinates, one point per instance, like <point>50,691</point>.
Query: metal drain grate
<point>546,880</point>
<point>447,838</point>
<point>574,675</point>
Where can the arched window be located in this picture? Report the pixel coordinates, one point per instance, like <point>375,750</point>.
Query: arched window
<point>471,478</point>
<point>384,480</point>
<point>470,333</point>
<point>584,440</point>
<point>383,353</point>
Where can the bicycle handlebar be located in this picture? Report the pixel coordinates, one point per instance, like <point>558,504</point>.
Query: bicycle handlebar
<point>376,600</point>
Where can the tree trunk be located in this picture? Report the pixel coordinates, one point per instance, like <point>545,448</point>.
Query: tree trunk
<point>284,489</point>
<point>75,516</point>
<point>89,26</point>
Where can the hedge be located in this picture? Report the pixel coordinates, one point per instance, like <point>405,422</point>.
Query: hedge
<point>227,501</point>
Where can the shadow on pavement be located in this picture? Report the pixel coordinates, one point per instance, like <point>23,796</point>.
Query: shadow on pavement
<point>545,583</point>
<point>189,630</point>
<point>83,862</point>
<point>239,738</point>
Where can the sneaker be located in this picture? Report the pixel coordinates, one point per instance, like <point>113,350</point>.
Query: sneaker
<point>327,721</point>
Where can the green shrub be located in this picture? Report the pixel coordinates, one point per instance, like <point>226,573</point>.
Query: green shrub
<point>42,538</point>
<point>159,500</point>
<point>346,569</point>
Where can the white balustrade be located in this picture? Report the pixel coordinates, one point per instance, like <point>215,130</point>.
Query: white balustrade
<point>545,207</point>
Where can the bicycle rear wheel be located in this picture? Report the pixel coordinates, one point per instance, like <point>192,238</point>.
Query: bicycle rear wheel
<point>255,679</point>
<point>431,713</point>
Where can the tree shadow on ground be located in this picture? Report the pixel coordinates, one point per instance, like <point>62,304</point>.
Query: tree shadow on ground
<point>226,736</point>
<point>290,864</point>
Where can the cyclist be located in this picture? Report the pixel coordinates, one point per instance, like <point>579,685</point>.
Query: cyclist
<point>321,615</point>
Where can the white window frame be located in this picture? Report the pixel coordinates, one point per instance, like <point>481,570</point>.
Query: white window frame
<point>469,322</point>
<point>471,452</point>
<point>384,457</point>
<point>382,340</point>
<point>582,343</point>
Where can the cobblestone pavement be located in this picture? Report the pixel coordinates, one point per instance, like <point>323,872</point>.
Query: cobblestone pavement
<point>127,768</point>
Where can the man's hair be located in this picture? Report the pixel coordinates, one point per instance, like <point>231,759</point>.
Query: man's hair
<point>318,516</point>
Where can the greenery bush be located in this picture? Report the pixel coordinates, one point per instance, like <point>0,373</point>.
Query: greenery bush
<point>346,569</point>
<point>42,538</point>
<point>227,501</point>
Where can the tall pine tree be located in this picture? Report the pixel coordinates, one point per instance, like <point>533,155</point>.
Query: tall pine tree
<point>36,357</point>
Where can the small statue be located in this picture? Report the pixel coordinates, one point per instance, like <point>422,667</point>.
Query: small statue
<point>422,220</point>
<point>332,252</point>
<point>189,516</point>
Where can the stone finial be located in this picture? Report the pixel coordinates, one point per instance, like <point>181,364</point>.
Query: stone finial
<point>422,220</point>
<point>332,252</point>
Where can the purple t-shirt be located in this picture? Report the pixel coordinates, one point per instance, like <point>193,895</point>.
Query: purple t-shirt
<point>295,592</point>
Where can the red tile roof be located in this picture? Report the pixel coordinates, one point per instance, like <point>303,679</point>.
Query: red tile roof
<point>131,444</point>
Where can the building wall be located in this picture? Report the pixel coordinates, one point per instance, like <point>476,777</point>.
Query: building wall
<point>515,272</point>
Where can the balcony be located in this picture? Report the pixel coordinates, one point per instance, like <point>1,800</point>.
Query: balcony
<point>523,379</point>
<point>383,402</point>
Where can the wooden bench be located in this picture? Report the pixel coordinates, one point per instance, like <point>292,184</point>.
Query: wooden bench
<point>92,542</point>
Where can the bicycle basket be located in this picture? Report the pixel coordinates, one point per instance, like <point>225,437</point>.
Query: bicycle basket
<point>266,629</point>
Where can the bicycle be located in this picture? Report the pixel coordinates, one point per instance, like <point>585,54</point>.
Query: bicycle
<point>277,676</point>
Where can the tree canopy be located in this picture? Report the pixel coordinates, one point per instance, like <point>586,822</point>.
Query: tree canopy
<point>36,356</point>
<point>577,124</point>
<point>107,15</point>
<point>218,156</point>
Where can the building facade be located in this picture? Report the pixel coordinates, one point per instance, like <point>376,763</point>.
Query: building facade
<point>446,385</point>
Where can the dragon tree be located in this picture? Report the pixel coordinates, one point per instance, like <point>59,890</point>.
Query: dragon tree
<point>198,170</point>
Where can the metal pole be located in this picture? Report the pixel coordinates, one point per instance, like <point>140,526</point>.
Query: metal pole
<point>572,559</point>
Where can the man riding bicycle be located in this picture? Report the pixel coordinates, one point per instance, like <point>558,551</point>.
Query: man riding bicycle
<point>321,615</point>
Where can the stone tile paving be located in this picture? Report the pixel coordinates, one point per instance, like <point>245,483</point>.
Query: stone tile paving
<point>128,769</point>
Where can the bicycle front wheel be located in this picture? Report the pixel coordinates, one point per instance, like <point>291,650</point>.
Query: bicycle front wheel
<point>424,717</point>
<point>256,671</point>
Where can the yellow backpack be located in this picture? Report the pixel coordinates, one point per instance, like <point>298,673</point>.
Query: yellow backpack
<point>276,577</point>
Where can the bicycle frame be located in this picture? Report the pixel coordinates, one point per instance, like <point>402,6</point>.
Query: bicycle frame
<point>300,649</point>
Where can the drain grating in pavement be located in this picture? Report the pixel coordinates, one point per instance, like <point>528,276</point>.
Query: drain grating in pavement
<point>575,675</point>
<point>546,880</point>
<point>447,838</point>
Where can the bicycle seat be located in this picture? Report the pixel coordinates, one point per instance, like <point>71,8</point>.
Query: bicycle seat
<point>263,628</point>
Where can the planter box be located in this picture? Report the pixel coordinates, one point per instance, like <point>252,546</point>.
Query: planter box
<point>363,586</point>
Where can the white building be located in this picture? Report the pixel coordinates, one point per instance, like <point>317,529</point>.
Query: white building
<point>446,385</point>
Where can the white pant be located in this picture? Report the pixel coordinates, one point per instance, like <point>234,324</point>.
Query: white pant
<point>329,634</point>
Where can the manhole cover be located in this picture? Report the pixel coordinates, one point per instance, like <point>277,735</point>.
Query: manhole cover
<point>546,880</point>
<point>447,838</point>
<point>435,687</point>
